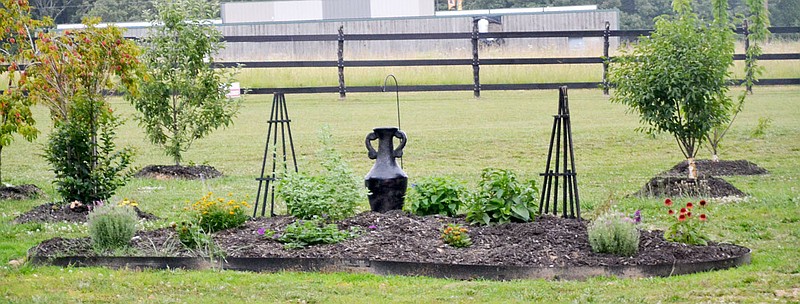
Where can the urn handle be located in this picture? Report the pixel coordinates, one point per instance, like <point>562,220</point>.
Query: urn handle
<point>371,151</point>
<point>402,136</point>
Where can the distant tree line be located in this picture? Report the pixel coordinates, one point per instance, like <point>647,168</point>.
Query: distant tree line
<point>634,14</point>
<point>639,14</point>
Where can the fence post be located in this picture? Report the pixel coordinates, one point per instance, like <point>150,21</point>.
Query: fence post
<point>476,68</point>
<point>747,62</point>
<point>606,34</point>
<point>340,63</point>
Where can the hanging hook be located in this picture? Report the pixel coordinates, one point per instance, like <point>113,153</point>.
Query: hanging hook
<point>397,96</point>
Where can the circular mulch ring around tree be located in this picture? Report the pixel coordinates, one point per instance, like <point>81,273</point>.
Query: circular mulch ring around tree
<point>397,243</point>
<point>718,168</point>
<point>20,192</point>
<point>178,172</point>
<point>52,212</point>
<point>675,186</point>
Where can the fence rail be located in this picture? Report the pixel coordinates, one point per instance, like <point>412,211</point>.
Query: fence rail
<point>340,63</point>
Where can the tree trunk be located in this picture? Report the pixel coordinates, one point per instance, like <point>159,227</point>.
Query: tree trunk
<point>1,166</point>
<point>692,168</point>
<point>715,158</point>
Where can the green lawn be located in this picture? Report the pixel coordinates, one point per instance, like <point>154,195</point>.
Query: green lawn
<point>450,133</point>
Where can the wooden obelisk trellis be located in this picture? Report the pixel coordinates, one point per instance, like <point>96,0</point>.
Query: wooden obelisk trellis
<point>561,146</point>
<point>278,126</point>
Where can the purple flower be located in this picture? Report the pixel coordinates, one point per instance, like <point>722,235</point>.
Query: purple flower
<point>261,231</point>
<point>373,227</point>
<point>637,216</point>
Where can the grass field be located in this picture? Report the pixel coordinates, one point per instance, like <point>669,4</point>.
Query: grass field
<point>450,133</point>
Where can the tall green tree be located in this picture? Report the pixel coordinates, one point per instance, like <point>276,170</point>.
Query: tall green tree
<point>183,97</point>
<point>70,75</point>
<point>120,11</point>
<point>676,78</point>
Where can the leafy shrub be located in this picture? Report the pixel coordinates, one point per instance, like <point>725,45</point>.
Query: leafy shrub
<point>333,194</point>
<point>112,227</point>
<point>215,214</point>
<point>304,233</point>
<point>436,195</point>
<point>456,236</point>
<point>501,199</point>
<point>87,170</point>
<point>191,235</point>
<point>614,233</point>
<point>686,228</point>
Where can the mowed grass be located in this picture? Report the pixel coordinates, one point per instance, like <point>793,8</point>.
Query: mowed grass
<point>453,134</point>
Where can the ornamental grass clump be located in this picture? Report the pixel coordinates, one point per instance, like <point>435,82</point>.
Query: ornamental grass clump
<point>687,227</point>
<point>112,226</point>
<point>614,233</point>
<point>456,236</point>
<point>213,214</point>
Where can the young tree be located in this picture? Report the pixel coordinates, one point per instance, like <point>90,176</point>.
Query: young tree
<point>757,26</point>
<point>70,75</point>
<point>17,47</point>
<point>183,98</point>
<point>676,78</point>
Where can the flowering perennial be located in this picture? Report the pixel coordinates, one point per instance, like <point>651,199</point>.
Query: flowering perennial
<point>215,214</point>
<point>687,228</point>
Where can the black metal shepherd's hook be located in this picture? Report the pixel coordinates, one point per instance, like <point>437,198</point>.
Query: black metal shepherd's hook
<point>397,95</point>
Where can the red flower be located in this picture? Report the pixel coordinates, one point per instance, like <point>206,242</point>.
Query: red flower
<point>688,214</point>
<point>671,212</point>
<point>682,218</point>
<point>703,217</point>
<point>668,202</point>
<point>702,203</point>
<point>683,211</point>
<point>689,205</point>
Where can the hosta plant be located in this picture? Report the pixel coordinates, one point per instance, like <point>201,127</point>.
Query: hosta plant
<point>436,195</point>
<point>501,199</point>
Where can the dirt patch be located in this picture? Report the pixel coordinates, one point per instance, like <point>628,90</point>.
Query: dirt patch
<point>674,186</point>
<point>52,212</point>
<point>20,192</point>
<point>178,172</point>
<point>396,236</point>
<point>719,168</point>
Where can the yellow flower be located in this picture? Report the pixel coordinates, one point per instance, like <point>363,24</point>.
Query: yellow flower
<point>231,212</point>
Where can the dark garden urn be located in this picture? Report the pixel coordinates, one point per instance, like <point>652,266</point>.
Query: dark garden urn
<point>386,181</point>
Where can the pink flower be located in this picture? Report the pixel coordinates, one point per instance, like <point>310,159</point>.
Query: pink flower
<point>261,231</point>
<point>682,218</point>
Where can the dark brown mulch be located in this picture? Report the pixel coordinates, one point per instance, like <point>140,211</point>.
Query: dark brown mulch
<point>397,236</point>
<point>52,212</point>
<point>178,172</point>
<point>675,186</point>
<point>719,168</point>
<point>675,182</point>
<point>20,192</point>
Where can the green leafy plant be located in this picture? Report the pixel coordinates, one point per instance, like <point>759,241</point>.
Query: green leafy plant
<point>304,233</point>
<point>676,78</point>
<point>502,199</point>
<point>87,171</point>
<point>213,214</point>
<point>191,235</point>
<point>334,193</point>
<point>436,195</point>
<point>183,97</point>
<point>761,128</point>
<point>614,233</point>
<point>112,226</point>
<point>687,227</point>
<point>456,236</point>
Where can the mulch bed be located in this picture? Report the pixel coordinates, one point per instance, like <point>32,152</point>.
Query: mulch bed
<point>52,212</point>
<point>674,183</point>
<point>178,172</point>
<point>20,192</point>
<point>719,168</point>
<point>547,242</point>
